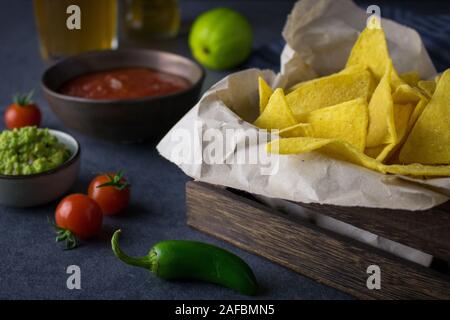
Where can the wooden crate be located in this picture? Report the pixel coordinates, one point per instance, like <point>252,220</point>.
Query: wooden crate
<point>323,255</point>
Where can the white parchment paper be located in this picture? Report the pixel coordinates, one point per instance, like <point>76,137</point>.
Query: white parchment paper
<point>319,36</point>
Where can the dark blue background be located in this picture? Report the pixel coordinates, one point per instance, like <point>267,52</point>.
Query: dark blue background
<point>33,266</point>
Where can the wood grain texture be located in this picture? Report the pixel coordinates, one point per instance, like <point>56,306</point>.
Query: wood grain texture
<point>428,231</point>
<point>317,253</point>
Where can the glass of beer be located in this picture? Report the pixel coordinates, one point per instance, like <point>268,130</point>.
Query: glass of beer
<point>68,27</point>
<point>146,19</point>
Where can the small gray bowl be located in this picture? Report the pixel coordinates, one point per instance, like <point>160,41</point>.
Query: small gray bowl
<point>41,188</point>
<point>130,120</point>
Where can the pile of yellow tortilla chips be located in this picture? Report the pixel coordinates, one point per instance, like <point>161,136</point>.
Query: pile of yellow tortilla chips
<point>366,114</point>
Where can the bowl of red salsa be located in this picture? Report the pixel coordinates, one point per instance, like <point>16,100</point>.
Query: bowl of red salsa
<point>126,95</point>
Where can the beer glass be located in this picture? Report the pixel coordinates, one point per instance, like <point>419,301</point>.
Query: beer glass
<point>145,19</point>
<point>68,27</point>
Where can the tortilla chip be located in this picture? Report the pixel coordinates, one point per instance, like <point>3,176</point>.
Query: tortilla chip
<point>329,91</point>
<point>299,130</point>
<point>428,87</point>
<point>353,69</point>
<point>335,148</point>
<point>344,151</point>
<point>411,78</point>
<point>429,141</point>
<point>385,152</point>
<point>265,91</point>
<point>406,94</point>
<point>371,51</point>
<point>374,152</point>
<point>402,115</point>
<point>393,156</point>
<point>277,114</point>
<point>418,111</point>
<point>347,121</point>
<point>381,128</point>
<point>417,169</point>
<point>404,99</point>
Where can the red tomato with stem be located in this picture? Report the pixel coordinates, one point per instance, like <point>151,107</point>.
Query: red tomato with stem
<point>77,216</point>
<point>23,112</point>
<point>111,192</point>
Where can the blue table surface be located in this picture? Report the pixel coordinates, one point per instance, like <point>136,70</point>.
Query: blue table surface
<point>32,266</point>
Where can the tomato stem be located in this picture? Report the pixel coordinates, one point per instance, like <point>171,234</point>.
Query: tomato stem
<point>23,100</point>
<point>68,237</point>
<point>116,181</point>
<point>64,235</point>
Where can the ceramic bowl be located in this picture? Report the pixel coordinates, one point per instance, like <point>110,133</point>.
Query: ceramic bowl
<point>41,188</point>
<point>122,120</point>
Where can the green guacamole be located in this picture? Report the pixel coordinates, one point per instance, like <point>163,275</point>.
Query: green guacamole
<point>30,150</point>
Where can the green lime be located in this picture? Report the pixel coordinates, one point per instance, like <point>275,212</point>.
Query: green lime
<point>221,38</point>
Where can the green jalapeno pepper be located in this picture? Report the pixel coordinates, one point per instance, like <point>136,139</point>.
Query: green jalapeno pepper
<point>179,259</point>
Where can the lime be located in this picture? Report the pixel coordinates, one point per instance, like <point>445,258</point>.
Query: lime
<point>221,38</point>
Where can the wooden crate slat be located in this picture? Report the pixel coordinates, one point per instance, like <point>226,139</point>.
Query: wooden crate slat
<point>428,231</point>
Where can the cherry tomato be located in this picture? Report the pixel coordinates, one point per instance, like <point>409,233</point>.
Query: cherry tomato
<point>22,113</point>
<point>80,215</point>
<point>111,192</point>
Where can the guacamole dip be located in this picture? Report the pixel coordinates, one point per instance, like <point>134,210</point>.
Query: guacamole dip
<point>30,150</point>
